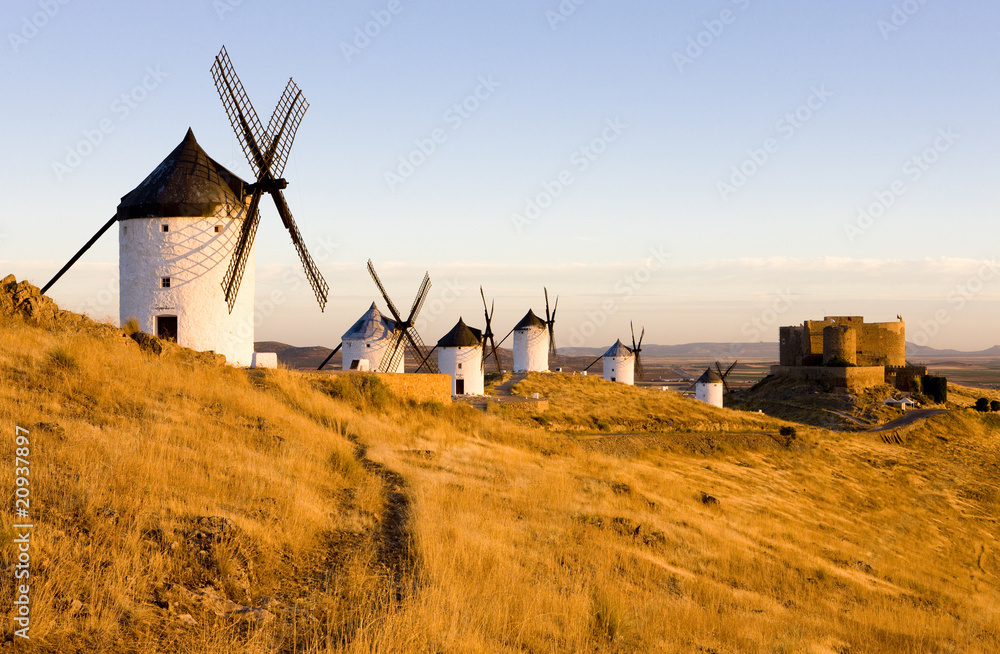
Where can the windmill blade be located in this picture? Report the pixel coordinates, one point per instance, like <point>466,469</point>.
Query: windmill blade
<point>643,333</point>
<point>319,285</point>
<point>385,296</point>
<point>425,359</point>
<point>725,385</point>
<point>550,321</point>
<point>418,301</point>
<point>416,344</point>
<point>488,333</point>
<point>237,264</point>
<point>283,126</point>
<point>391,354</point>
<point>496,346</point>
<point>79,254</point>
<point>593,362</point>
<point>639,372</point>
<point>730,368</point>
<point>327,360</point>
<point>242,115</point>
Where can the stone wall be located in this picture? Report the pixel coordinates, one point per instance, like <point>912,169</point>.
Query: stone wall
<point>882,344</point>
<point>851,378</point>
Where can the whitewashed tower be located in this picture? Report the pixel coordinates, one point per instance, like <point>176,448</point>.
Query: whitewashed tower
<point>531,344</point>
<point>460,354</point>
<point>365,343</point>
<point>619,364</point>
<point>177,231</point>
<point>708,388</point>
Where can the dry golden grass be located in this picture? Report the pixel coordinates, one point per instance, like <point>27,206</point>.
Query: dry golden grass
<point>588,403</point>
<point>378,525</point>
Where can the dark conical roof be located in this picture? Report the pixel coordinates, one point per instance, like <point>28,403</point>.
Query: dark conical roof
<point>530,320</point>
<point>461,335</point>
<point>619,349</point>
<point>188,183</point>
<point>372,326</point>
<point>709,377</point>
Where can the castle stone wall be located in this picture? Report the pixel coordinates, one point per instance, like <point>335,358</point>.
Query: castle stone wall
<point>856,378</point>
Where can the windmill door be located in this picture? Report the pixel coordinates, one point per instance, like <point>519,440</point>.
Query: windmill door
<point>459,387</point>
<point>166,327</point>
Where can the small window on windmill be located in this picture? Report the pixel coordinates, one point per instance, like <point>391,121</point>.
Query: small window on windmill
<point>218,229</point>
<point>164,282</point>
<point>164,228</point>
<point>460,366</point>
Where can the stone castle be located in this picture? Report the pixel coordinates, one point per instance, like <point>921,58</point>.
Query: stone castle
<point>846,352</point>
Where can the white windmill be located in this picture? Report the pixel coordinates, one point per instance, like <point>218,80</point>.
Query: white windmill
<point>619,364</point>
<point>366,342</point>
<point>460,354</point>
<point>710,386</point>
<point>534,339</point>
<point>186,233</point>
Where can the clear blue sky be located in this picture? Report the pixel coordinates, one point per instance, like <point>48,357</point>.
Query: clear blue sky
<point>648,109</point>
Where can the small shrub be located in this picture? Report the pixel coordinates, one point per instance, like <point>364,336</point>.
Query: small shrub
<point>840,362</point>
<point>131,326</point>
<point>787,430</point>
<point>982,405</point>
<point>62,358</point>
<point>995,405</point>
<point>935,388</point>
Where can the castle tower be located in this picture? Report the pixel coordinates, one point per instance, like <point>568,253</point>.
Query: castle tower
<point>531,344</point>
<point>460,354</point>
<point>177,231</point>
<point>619,364</point>
<point>365,343</point>
<point>840,342</point>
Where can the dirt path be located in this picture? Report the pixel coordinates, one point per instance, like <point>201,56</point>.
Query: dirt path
<point>911,416</point>
<point>504,388</point>
<point>395,553</point>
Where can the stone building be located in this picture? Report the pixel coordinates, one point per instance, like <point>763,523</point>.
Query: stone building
<point>846,352</point>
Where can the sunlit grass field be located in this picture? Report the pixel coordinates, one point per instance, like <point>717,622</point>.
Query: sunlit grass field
<point>182,506</point>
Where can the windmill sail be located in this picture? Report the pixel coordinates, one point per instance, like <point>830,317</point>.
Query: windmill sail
<point>267,152</point>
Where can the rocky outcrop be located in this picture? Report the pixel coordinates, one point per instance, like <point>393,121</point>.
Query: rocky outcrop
<point>24,301</point>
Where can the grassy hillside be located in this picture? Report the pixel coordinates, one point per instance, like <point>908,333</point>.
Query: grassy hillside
<point>182,505</point>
